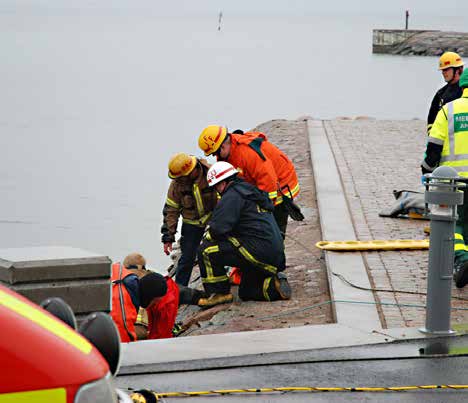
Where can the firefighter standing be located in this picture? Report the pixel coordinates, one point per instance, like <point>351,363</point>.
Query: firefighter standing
<point>242,233</point>
<point>259,162</point>
<point>190,196</point>
<point>451,65</point>
<point>448,145</point>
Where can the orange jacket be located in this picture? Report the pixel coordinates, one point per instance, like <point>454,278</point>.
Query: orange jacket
<point>121,298</point>
<point>263,164</point>
<point>162,315</point>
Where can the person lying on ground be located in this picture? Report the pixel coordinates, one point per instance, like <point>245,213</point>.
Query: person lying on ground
<point>135,287</point>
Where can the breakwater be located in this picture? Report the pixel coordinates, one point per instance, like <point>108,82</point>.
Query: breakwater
<point>418,42</point>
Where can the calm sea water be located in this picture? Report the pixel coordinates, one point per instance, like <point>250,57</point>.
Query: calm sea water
<point>93,106</point>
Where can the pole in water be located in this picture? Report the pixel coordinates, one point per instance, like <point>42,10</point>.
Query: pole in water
<point>219,20</point>
<point>407,17</point>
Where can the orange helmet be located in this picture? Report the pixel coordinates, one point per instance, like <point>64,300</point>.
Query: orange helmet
<point>450,59</point>
<point>181,164</point>
<point>211,138</point>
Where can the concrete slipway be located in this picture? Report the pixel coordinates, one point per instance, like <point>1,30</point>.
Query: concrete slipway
<point>354,352</point>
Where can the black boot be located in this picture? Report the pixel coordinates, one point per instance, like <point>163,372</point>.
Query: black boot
<point>460,274</point>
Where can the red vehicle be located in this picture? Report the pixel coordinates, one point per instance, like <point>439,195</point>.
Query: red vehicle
<point>44,360</point>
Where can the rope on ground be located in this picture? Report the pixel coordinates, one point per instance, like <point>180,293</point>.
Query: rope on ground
<point>306,308</point>
<point>342,278</point>
<point>150,396</point>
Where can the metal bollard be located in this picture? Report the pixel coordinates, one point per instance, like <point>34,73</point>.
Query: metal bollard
<point>442,197</point>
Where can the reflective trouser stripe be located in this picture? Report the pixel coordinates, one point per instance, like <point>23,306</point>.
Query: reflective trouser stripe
<point>244,252</point>
<point>459,243</point>
<point>210,277</point>
<point>37,396</point>
<point>460,246</point>
<point>266,284</point>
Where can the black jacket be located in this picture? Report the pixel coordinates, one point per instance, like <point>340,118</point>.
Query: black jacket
<point>446,94</point>
<point>245,212</point>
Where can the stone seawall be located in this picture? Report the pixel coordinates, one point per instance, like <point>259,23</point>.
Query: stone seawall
<point>416,42</point>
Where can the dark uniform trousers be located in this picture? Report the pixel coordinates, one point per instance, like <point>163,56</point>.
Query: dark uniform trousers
<point>191,236</point>
<point>281,217</point>
<point>257,277</point>
<point>461,229</point>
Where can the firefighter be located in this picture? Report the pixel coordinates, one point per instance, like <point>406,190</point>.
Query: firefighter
<point>134,288</point>
<point>451,65</point>
<point>259,162</point>
<point>190,196</point>
<point>242,233</point>
<point>448,145</point>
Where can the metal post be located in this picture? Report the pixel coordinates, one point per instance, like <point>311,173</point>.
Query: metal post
<point>407,17</point>
<point>442,197</point>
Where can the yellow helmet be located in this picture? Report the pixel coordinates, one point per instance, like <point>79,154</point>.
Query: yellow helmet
<point>211,138</point>
<point>450,59</point>
<point>181,164</point>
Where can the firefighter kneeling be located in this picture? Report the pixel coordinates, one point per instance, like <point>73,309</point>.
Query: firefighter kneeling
<point>242,233</point>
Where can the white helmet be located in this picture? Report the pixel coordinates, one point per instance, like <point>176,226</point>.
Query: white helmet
<point>219,171</point>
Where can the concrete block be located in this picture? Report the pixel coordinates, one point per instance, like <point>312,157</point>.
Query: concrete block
<point>80,277</point>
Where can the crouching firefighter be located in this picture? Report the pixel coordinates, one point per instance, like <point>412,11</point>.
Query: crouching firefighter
<point>242,233</point>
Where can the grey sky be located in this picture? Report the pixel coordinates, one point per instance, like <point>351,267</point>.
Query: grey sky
<point>241,7</point>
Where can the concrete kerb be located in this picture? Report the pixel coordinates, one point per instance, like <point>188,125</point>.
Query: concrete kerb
<point>336,225</point>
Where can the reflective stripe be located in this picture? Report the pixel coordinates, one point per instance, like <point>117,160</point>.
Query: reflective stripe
<point>451,130</point>
<point>295,190</point>
<point>426,166</point>
<point>458,236</point>
<point>461,168</point>
<point>435,141</point>
<point>121,302</point>
<point>458,157</point>
<point>244,252</point>
<point>266,284</point>
<point>273,195</point>
<point>200,222</point>
<point>52,325</point>
<point>58,395</point>
<point>206,260</point>
<point>460,246</point>
<point>215,279</point>
<point>198,200</point>
<point>172,203</point>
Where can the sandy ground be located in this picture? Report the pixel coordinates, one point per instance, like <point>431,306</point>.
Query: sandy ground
<point>306,270</point>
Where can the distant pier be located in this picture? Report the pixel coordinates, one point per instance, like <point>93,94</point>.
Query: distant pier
<point>418,42</point>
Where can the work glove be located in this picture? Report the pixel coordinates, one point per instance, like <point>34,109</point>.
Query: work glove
<point>167,247</point>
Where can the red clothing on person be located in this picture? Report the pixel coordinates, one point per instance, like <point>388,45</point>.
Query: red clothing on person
<point>162,314</point>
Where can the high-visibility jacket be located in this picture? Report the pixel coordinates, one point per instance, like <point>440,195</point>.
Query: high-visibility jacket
<point>162,315</point>
<point>123,311</point>
<point>263,165</point>
<point>191,198</point>
<point>446,94</point>
<point>450,130</point>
